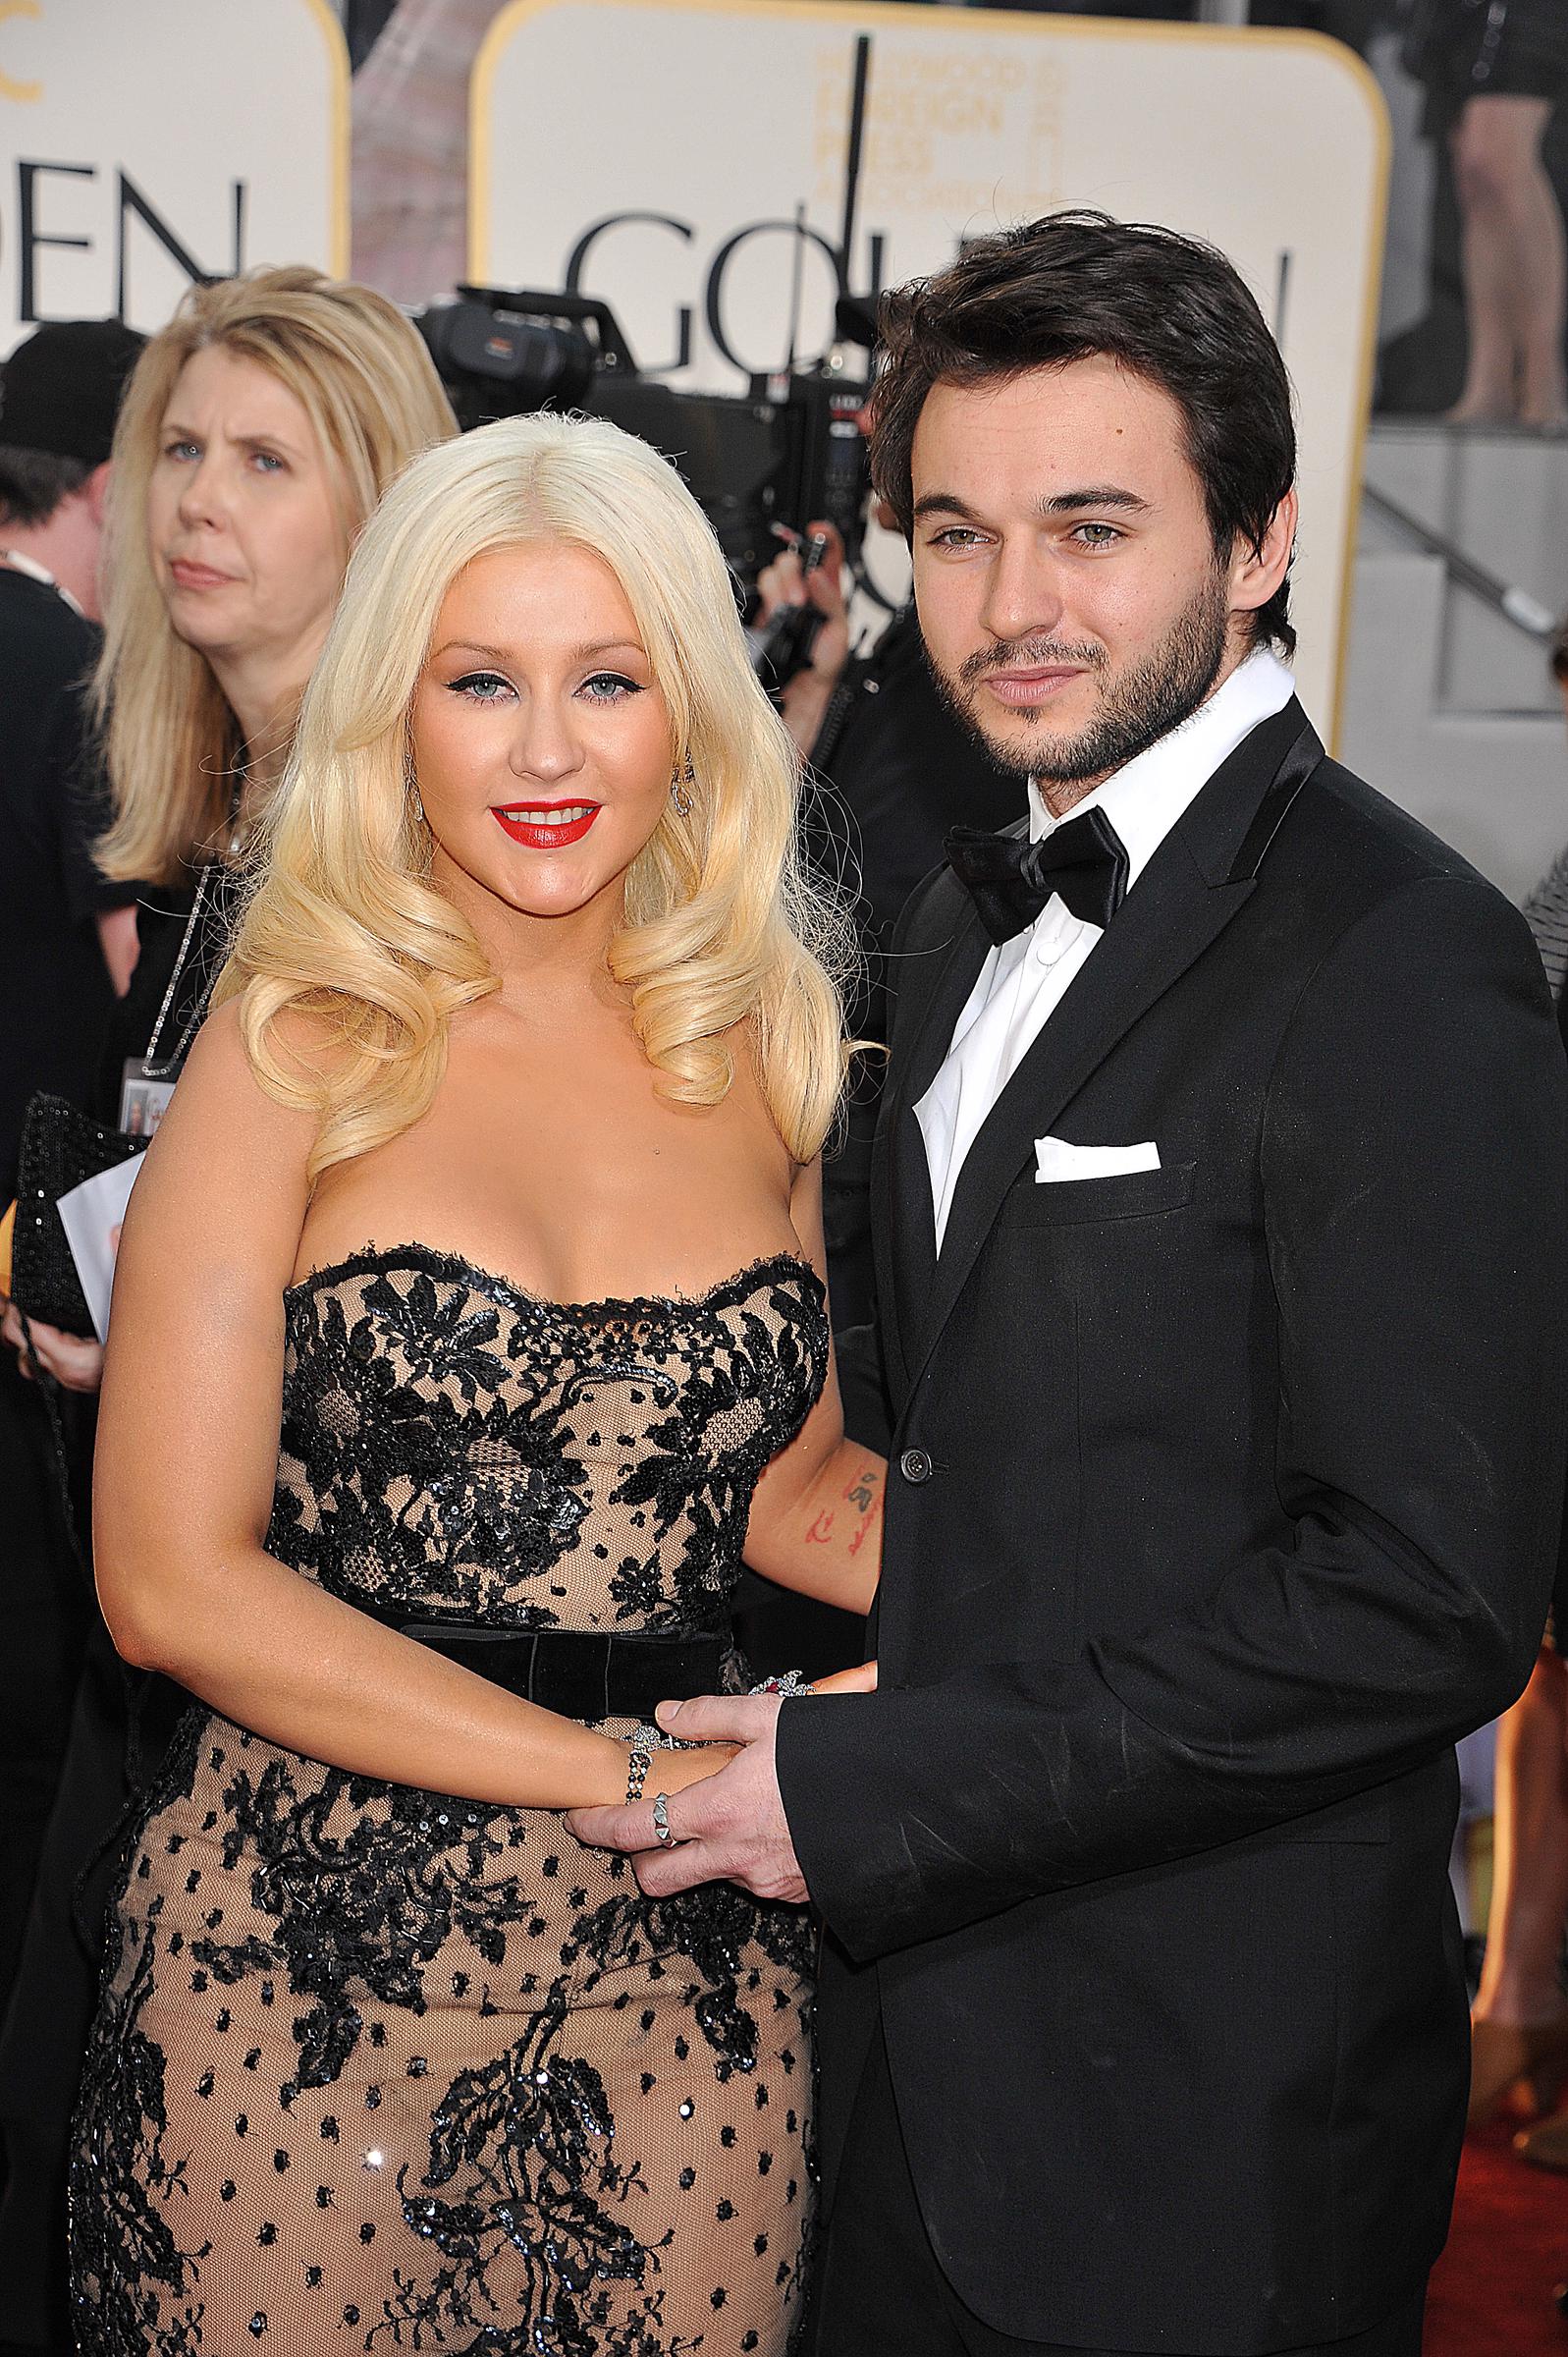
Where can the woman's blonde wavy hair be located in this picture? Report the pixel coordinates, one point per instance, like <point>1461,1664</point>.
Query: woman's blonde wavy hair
<point>364,379</point>
<point>722,925</point>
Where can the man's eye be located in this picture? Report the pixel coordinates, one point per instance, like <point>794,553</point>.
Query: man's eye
<point>1096,535</point>
<point>956,535</point>
<point>481,687</point>
<point>609,688</point>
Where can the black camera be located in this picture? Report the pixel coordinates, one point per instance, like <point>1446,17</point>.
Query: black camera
<point>789,449</point>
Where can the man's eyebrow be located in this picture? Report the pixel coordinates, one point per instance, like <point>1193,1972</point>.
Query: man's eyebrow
<point>1097,495</point>
<point>1060,503</point>
<point>944,503</point>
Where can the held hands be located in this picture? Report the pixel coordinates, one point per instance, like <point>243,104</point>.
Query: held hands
<point>723,1826</point>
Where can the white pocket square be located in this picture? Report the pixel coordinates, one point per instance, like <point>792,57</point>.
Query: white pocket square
<point>1055,1159</point>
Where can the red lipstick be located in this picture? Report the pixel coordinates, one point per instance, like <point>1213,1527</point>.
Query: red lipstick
<point>538,828</point>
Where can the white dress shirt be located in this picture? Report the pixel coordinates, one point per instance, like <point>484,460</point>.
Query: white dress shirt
<point>1025,980</point>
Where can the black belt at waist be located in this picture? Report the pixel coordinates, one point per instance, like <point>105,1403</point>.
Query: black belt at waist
<point>580,1672</point>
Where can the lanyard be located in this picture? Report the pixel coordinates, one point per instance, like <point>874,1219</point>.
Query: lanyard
<point>38,573</point>
<point>150,1064</point>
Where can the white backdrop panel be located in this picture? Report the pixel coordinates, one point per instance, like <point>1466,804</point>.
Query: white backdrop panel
<point>142,141</point>
<point>654,153</point>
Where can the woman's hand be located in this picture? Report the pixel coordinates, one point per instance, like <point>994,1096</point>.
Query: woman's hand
<point>859,1680</point>
<point>674,1771</point>
<point>76,1364</point>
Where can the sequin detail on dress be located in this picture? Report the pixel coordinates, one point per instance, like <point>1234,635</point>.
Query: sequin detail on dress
<point>382,2070</point>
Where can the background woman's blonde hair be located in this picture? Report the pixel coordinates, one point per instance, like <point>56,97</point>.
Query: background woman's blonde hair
<point>722,922</point>
<point>367,384</point>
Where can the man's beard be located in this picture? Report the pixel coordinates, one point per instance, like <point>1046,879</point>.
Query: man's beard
<point>1137,707</point>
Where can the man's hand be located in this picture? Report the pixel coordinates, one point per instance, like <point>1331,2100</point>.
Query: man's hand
<point>729,1827</point>
<point>76,1362</point>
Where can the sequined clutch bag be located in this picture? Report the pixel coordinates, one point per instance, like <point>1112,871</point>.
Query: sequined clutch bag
<point>61,1147</point>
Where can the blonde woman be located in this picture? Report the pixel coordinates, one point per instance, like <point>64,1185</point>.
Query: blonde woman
<point>258,431</point>
<point>493,1188</point>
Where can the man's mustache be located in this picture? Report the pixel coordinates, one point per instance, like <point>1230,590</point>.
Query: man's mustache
<point>1028,654</point>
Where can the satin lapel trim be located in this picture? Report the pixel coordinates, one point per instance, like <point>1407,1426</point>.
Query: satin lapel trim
<point>893,1312</point>
<point>907,1201</point>
<point>962,956</point>
<point>1170,919</point>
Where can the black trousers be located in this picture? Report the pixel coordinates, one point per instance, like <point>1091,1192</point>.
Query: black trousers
<point>879,2292</point>
<point>44,1611</point>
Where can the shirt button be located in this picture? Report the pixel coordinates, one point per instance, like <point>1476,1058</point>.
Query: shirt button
<point>915,1465</point>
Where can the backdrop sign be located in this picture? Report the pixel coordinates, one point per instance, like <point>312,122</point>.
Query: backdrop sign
<point>654,153</point>
<point>144,143</point>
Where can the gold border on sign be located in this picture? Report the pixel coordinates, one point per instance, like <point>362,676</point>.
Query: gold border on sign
<point>12,92</point>
<point>1149,31</point>
<point>340,132</point>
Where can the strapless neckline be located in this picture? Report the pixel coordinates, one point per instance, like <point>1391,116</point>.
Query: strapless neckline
<point>430,1260</point>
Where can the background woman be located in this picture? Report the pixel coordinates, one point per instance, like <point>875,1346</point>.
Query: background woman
<point>1496,70</point>
<point>257,432</point>
<point>495,1184</point>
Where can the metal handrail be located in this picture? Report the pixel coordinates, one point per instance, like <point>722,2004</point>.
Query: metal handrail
<point>1515,605</point>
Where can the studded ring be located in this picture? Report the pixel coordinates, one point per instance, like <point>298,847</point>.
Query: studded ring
<point>661,1822</point>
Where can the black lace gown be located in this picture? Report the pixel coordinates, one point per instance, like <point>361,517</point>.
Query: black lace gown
<point>381,2069</point>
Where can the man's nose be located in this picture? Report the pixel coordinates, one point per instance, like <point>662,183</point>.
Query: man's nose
<point>1023,596</point>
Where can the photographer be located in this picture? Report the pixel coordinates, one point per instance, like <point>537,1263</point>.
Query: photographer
<point>896,771</point>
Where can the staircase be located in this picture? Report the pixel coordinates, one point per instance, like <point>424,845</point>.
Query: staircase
<point>1448,708</point>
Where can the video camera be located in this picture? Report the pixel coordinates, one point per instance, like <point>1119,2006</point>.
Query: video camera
<point>789,449</point>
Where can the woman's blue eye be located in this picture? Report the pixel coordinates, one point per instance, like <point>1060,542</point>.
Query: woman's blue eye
<point>183,450</point>
<point>481,687</point>
<point>268,461</point>
<point>608,688</point>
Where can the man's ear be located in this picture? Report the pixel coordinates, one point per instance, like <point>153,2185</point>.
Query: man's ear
<point>1257,572</point>
<point>95,491</point>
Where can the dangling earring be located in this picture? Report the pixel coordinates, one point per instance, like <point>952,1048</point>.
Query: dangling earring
<point>678,785</point>
<point>411,788</point>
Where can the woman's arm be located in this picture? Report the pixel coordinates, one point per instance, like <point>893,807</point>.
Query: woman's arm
<point>186,1464</point>
<point>816,1520</point>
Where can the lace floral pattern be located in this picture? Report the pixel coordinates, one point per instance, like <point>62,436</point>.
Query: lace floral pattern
<point>383,2069</point>
<point>452,1444</point>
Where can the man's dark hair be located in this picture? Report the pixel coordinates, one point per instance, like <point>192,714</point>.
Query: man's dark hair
<point>1077,285</point>
<point>33,482</point>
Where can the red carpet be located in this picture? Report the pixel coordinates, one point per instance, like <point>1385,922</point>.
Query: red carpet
<point>1492,2292</point>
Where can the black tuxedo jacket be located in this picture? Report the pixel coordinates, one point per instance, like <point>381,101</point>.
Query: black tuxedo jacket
<point>1223,1498</point>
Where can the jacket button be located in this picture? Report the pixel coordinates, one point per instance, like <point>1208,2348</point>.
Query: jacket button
<point>915,1465</point>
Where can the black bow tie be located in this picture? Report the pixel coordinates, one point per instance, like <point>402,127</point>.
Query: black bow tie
<point>1010,879</point>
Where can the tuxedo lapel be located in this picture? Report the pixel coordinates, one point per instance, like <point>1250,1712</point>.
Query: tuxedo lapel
<point>1204,871</point>
<point>902,1183</point>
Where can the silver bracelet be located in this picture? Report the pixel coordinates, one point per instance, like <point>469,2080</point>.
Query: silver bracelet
<point>787,1682</point>
<point>638,1765</point>
<point>645,1740</point>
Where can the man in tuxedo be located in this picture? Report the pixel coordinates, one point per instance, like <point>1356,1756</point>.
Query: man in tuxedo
<point>1223,1227</point>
